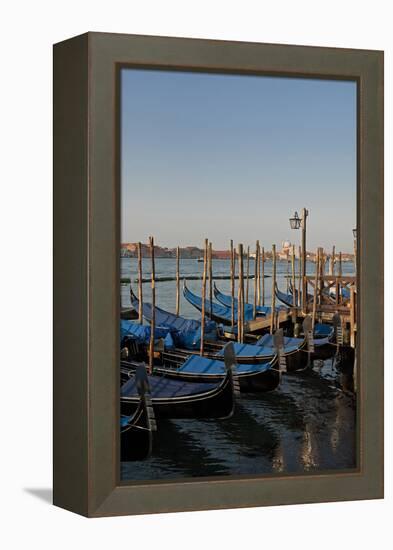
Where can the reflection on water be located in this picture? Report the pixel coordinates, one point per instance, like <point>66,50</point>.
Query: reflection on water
<point>306,425</point>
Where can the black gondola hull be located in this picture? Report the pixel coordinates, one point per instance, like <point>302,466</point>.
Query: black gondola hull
<point>254,382</point>
<point>217,403</point>
<point>136,438</point>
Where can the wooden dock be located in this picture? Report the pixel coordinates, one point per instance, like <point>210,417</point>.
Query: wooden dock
<point>341,302</point>
<point>264,323</point>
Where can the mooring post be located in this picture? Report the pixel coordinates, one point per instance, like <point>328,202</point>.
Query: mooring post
<point>322,262</point>
<point>259,274</point>
<point>256,283</point>
<point>304,259</point>
<point>273,312</point>
<point>178,280</point>
<point>263,276</point>
<point>140,294</point>
<point>248,272</point>
<point>203,312</point>
<point>232,286</point>
<point>211,278</point>
<point>340,274</point>
<point>300,289</point>
<point>316,284</point>
<point>294,313</point>
<point>332,261</point>
<point>153,306</point>
<point>287,254</point>
<point>240,300</point>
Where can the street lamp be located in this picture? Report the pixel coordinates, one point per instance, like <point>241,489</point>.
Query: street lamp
<point>296,223</point>
<point>355,232</point>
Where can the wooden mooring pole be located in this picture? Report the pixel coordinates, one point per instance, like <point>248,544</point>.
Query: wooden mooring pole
<point>340,274</point>
<point>178,281</point>
<point>240,300</point>
<point>259,291</point>
<point>140,293</point>
<point>332,261</point>
<point>293,277</point>
<point>316,289</point>
<point>263,276</point>
<point>287,254</point>
<point>153,304</point>
<point>300,287</point>
<point>232,286</point>
<point>273,312</point>
<point>248,273</point>
<point>211,279</point>
<point>256,283</point>
<point>203,312</point>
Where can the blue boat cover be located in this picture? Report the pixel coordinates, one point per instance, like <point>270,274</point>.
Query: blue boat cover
<point>141,333</point>
<point>201,365</point>
<point>166,319</point>
<point>191,339</point>
<point>256,350</point>
<point>289,342</point>
<point>226,300</point>
<point>323,330</point>
<point>186,333</point>
<point>161,387</point>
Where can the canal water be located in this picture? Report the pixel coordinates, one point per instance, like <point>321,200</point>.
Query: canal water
<point>308,424</point>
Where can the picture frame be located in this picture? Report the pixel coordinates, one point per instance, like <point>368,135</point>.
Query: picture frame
<point>86,273</point>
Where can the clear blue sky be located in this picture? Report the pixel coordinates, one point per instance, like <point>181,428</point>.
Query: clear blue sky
<point>227,156</point>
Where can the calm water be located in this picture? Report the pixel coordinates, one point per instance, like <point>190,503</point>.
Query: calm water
<point>307,424</point>
<point>166,291</point>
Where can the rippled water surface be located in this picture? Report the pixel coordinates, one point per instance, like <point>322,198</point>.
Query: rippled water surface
<point>307,424</point>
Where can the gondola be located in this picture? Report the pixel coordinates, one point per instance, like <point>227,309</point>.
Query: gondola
<point>247,354</point>
<point>323,347</point>
<point>285,298</point>
<point>259,352</point>
<point>186,332</point>
<point>173,398</point>
<point>257,377</point>
<point>136,430</point>
<point>166,319</point>
<point>226,300</point>
<point>295,350</point>
<point>216,312</point>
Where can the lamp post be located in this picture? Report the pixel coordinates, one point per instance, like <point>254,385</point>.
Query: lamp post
<point>296,223</point>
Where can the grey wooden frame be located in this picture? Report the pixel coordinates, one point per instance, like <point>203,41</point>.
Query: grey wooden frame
<point>86,273</point>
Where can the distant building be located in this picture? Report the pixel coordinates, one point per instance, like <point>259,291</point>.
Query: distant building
<point>221,254</point>
<point>286,251</point>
